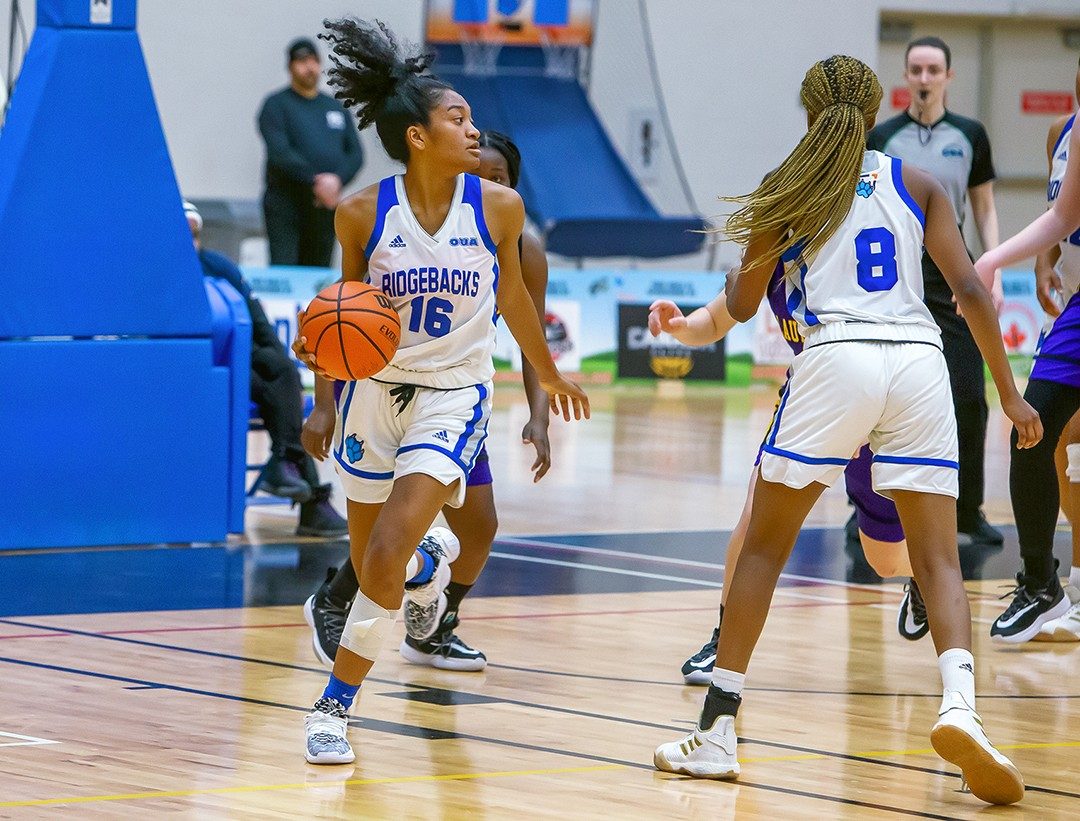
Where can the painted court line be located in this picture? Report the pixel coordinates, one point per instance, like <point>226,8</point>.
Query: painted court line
<point>250,788</point>
<point>641,574</point>
<point>23,740</point>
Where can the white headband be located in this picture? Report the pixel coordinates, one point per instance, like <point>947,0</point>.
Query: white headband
<point>192,213</point>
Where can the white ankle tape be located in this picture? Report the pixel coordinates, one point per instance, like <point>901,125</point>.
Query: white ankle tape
<point>1073,471</point>
<point>367,627</point>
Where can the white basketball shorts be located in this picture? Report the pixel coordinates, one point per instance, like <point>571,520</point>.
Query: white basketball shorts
<point>893,394</point>
<point>386,431</point>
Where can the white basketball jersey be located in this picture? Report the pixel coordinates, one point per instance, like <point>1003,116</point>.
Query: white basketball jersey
<point>1068,264</point>
<point>442,286</point>
<point>866,281</point>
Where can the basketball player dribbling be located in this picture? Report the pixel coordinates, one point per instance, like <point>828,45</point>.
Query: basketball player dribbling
<point>430,622</point>
<point>443,246</point>
<point>871,370</point>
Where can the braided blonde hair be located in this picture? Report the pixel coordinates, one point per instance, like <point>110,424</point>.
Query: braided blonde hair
<point>810,194</point>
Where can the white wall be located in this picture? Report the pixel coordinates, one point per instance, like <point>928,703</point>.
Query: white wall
<point>730,72</point>
<point>1004,57</point>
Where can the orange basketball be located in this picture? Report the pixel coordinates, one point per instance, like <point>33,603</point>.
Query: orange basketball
<point>351,329</point>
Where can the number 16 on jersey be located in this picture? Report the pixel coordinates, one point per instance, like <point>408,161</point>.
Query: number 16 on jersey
<point>432,313</point>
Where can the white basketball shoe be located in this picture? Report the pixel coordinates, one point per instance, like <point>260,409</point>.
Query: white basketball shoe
<point>425,604</point>
<point>702,754</point>
<point>958,737</point>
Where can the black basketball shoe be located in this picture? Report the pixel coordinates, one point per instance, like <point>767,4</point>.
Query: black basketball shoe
<point>911,621</point>
<point>443,650</point>
<point>326,618</point>
<point>698,668</point>
<point>1033,605</point>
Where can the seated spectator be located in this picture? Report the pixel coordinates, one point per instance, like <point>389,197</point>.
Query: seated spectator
<point>277,392</point>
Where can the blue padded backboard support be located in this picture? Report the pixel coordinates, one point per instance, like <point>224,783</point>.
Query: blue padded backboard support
<point>115,418</point>
<point>108,442</point>
<point>232,350</point>
<point>574,183</point>
<point>91,225</point>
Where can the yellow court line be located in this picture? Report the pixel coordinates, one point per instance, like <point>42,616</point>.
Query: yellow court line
<point>410,779</point>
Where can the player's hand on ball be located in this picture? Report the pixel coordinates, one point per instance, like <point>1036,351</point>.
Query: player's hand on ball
<point>665,316</point>
<point>317,434</point>
<point>302,353</point>
<point>1029,429</point>
<point>565,395</point>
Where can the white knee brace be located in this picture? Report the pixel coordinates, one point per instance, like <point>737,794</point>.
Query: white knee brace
<point>1073,471</point>
<point>367,627</point>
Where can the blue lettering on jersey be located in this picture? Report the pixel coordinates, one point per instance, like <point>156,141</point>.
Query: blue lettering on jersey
<point>431,280</point>
<point>953,150</point>
<point>456,241</point>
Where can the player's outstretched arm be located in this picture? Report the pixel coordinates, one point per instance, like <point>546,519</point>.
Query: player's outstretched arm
<point>707,324</point>
<point>946,247</point>
<point>506,220</point>
<point>534,273</point>
<point>1053,226</point>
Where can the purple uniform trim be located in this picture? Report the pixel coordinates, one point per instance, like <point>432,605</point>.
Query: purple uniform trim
<point>481,472</point>
<point>877,515</point>
<point>777,296</point>
<point>1058,356</point>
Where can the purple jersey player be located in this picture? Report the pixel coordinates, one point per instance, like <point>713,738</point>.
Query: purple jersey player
<point>879,525</point>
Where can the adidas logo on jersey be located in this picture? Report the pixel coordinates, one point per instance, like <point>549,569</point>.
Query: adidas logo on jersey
<point>397,242</point>
<point>1064,155</point>
<point>443,436</point>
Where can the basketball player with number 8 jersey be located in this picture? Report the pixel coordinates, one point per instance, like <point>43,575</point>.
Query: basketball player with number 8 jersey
<point>871,370</point>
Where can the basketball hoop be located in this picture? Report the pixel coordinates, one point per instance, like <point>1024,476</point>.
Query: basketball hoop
<point>479,50</point>
<point>560,60</point>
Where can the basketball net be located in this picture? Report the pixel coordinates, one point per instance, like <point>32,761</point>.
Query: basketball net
<point>560,60</point>
<point>480,55</point>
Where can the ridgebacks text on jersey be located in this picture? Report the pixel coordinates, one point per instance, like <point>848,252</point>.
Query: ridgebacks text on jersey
<point>427,411</point>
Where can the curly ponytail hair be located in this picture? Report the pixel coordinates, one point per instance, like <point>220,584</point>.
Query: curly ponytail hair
<point>809,195</point>
<point>372,74</point>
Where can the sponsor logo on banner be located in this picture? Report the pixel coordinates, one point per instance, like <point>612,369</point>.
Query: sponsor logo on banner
<point>643,355</point>
<point>562,329</point>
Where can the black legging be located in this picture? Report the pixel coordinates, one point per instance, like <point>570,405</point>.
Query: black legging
<point>1033,483</point>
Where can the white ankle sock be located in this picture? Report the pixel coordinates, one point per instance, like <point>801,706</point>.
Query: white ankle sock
<point>958,674</point>
<point>1074,576</point>
<point>728,680</point>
